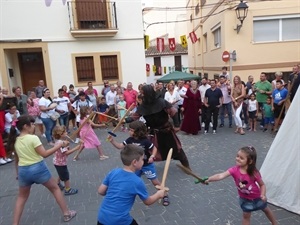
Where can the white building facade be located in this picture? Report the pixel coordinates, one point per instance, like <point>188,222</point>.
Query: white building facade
<point>71,42</point>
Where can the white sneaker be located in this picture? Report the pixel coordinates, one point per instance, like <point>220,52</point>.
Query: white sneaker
<point>77,141</point>
<point>44,135</point>
<point>210,124</point>
<point>205,132</point>
<point>214,132</point>
<point>203,124</point>
<point>2,161</point>
<point>8,160</point>
<point>245,126</point>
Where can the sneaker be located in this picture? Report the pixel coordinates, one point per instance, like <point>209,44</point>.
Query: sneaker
<point>210,124</point>
<point>103,157</point>
<point>265,129</point>
<point>74,128</point>
<point>205,132</point>
<point>77,141</point>
<point>221,125</point>
<point>244,126</point>
<point>44,135</point>
<point>214,132</point>
<point>2,161</point>
<point>71,191</point>
<point>203,124</point>
<point>230,125</point>
<point>8,160</point>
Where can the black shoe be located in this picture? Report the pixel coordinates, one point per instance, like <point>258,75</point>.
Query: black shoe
<point>230,125</point>
<point>221,125</point>
<point>265,129</point>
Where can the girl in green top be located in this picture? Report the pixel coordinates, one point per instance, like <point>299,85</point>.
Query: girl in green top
<point>31,167</point>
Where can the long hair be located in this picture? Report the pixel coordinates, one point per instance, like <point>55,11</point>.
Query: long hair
<point>20,122</point>
<point>140,129</point>
<point>84,111</point>
<point>251,159</point>
<point>149,95</point>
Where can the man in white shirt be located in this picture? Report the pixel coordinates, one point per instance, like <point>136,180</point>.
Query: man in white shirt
<point>110,101</point>
<point>225,87</point>
<point>181,91</point>
<point>63,108</point>
<point>204,86</point>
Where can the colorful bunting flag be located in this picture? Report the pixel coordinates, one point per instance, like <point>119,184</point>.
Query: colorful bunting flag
<point>148,67</point>
<point>193,37</point>
<point>183,41</point>
<point>154,68</point>
<point>146,41</point>
<point>172,44</point>
<point>160,45</point>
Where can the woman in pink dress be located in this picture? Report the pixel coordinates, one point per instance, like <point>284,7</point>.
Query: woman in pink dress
<point>88,135</point>
<point>191,110</point>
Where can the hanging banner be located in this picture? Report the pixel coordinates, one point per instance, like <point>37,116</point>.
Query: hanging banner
<point>165,69</point>
<point>148,67</point>
<point>154,69</point>
<point>160,45</point>
<point>193,37</point>
<point>146,41</point>
<point>183,41</point>
<point>172,44</point>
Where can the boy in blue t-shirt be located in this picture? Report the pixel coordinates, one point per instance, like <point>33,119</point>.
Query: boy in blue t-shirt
<point>279,95</point>
<point>120,188</point>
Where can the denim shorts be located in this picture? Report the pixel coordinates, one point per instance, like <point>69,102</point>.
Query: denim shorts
<point>36,173</point>
<point>252,205</point>
<point>269,120</point>
<point>148,170</point>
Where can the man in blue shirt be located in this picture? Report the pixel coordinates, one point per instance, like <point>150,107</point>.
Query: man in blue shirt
<point>279,96</point>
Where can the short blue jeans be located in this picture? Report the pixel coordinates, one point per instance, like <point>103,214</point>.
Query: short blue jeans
<point>36,173</point>
<point>49,125</point>
<point>63,120</point>
<point>252,205</point>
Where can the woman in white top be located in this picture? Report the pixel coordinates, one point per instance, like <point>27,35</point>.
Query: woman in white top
<point>47,109</point>
<point>252,111</point>
<point>173,97</point>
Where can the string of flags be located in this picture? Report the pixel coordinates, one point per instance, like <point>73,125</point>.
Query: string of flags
<point>160,42</point>
<point>161,70</point>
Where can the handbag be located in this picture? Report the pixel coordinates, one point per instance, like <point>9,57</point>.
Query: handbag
<point>54,116</point>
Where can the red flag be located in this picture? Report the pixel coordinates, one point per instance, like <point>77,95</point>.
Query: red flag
<point>147,67</point>
<point>172,44</point>
<point>193,37</point>
<point>160,45</point>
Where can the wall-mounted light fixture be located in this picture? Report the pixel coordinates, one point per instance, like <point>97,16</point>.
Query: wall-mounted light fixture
<point>241,13</point>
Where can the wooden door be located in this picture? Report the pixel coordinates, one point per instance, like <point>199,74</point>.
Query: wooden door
<point>177,61</point>
<point>31,69</point>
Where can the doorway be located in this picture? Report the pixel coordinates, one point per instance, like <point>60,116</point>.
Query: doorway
<point>31,70</point>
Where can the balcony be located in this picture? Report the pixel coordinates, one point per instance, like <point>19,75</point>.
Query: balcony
<point>93,18</point>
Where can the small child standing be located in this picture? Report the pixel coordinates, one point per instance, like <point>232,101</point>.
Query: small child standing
<point>120,188</point>
<point>103,108</point>
<point>11,116</point>
<point>269,115</point>
<point>72,95</point>
<point>60,159</point>
<point>251,188</point>
<point>138,136</point>
<point>87,134</point>
<point>121,108</point>
<point>252,111</point>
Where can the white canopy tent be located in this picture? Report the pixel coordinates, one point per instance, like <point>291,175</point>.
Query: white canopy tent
<point>281,167</point>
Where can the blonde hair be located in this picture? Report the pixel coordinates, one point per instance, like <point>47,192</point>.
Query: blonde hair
<point>58,131</point>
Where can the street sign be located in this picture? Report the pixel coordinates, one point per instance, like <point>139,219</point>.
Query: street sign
<point>225,56</point>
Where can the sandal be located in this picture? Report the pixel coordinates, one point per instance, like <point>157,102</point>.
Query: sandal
<point>71,191</point>
<point>71,215</point>
<point>166,201</point>
<point>61,187</point>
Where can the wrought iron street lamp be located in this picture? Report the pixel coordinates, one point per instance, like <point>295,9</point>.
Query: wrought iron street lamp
<point>241,13</point>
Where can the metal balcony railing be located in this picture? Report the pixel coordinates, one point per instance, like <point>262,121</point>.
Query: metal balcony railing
<point>92,15</point>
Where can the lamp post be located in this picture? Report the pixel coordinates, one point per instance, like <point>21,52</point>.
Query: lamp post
<point>241,13</point>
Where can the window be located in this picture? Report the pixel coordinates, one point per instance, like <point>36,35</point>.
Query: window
<point>109,67</point>
<point>205,42</point>
<point>87,65</point>
<point>217,37</point>
<point>197,9</point>
<point>276,29</point>
<point>157,63</point>
<point>85,69</point>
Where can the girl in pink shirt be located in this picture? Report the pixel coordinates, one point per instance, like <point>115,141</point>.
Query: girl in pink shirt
<point>251,188</point>
<point>60,159</point>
